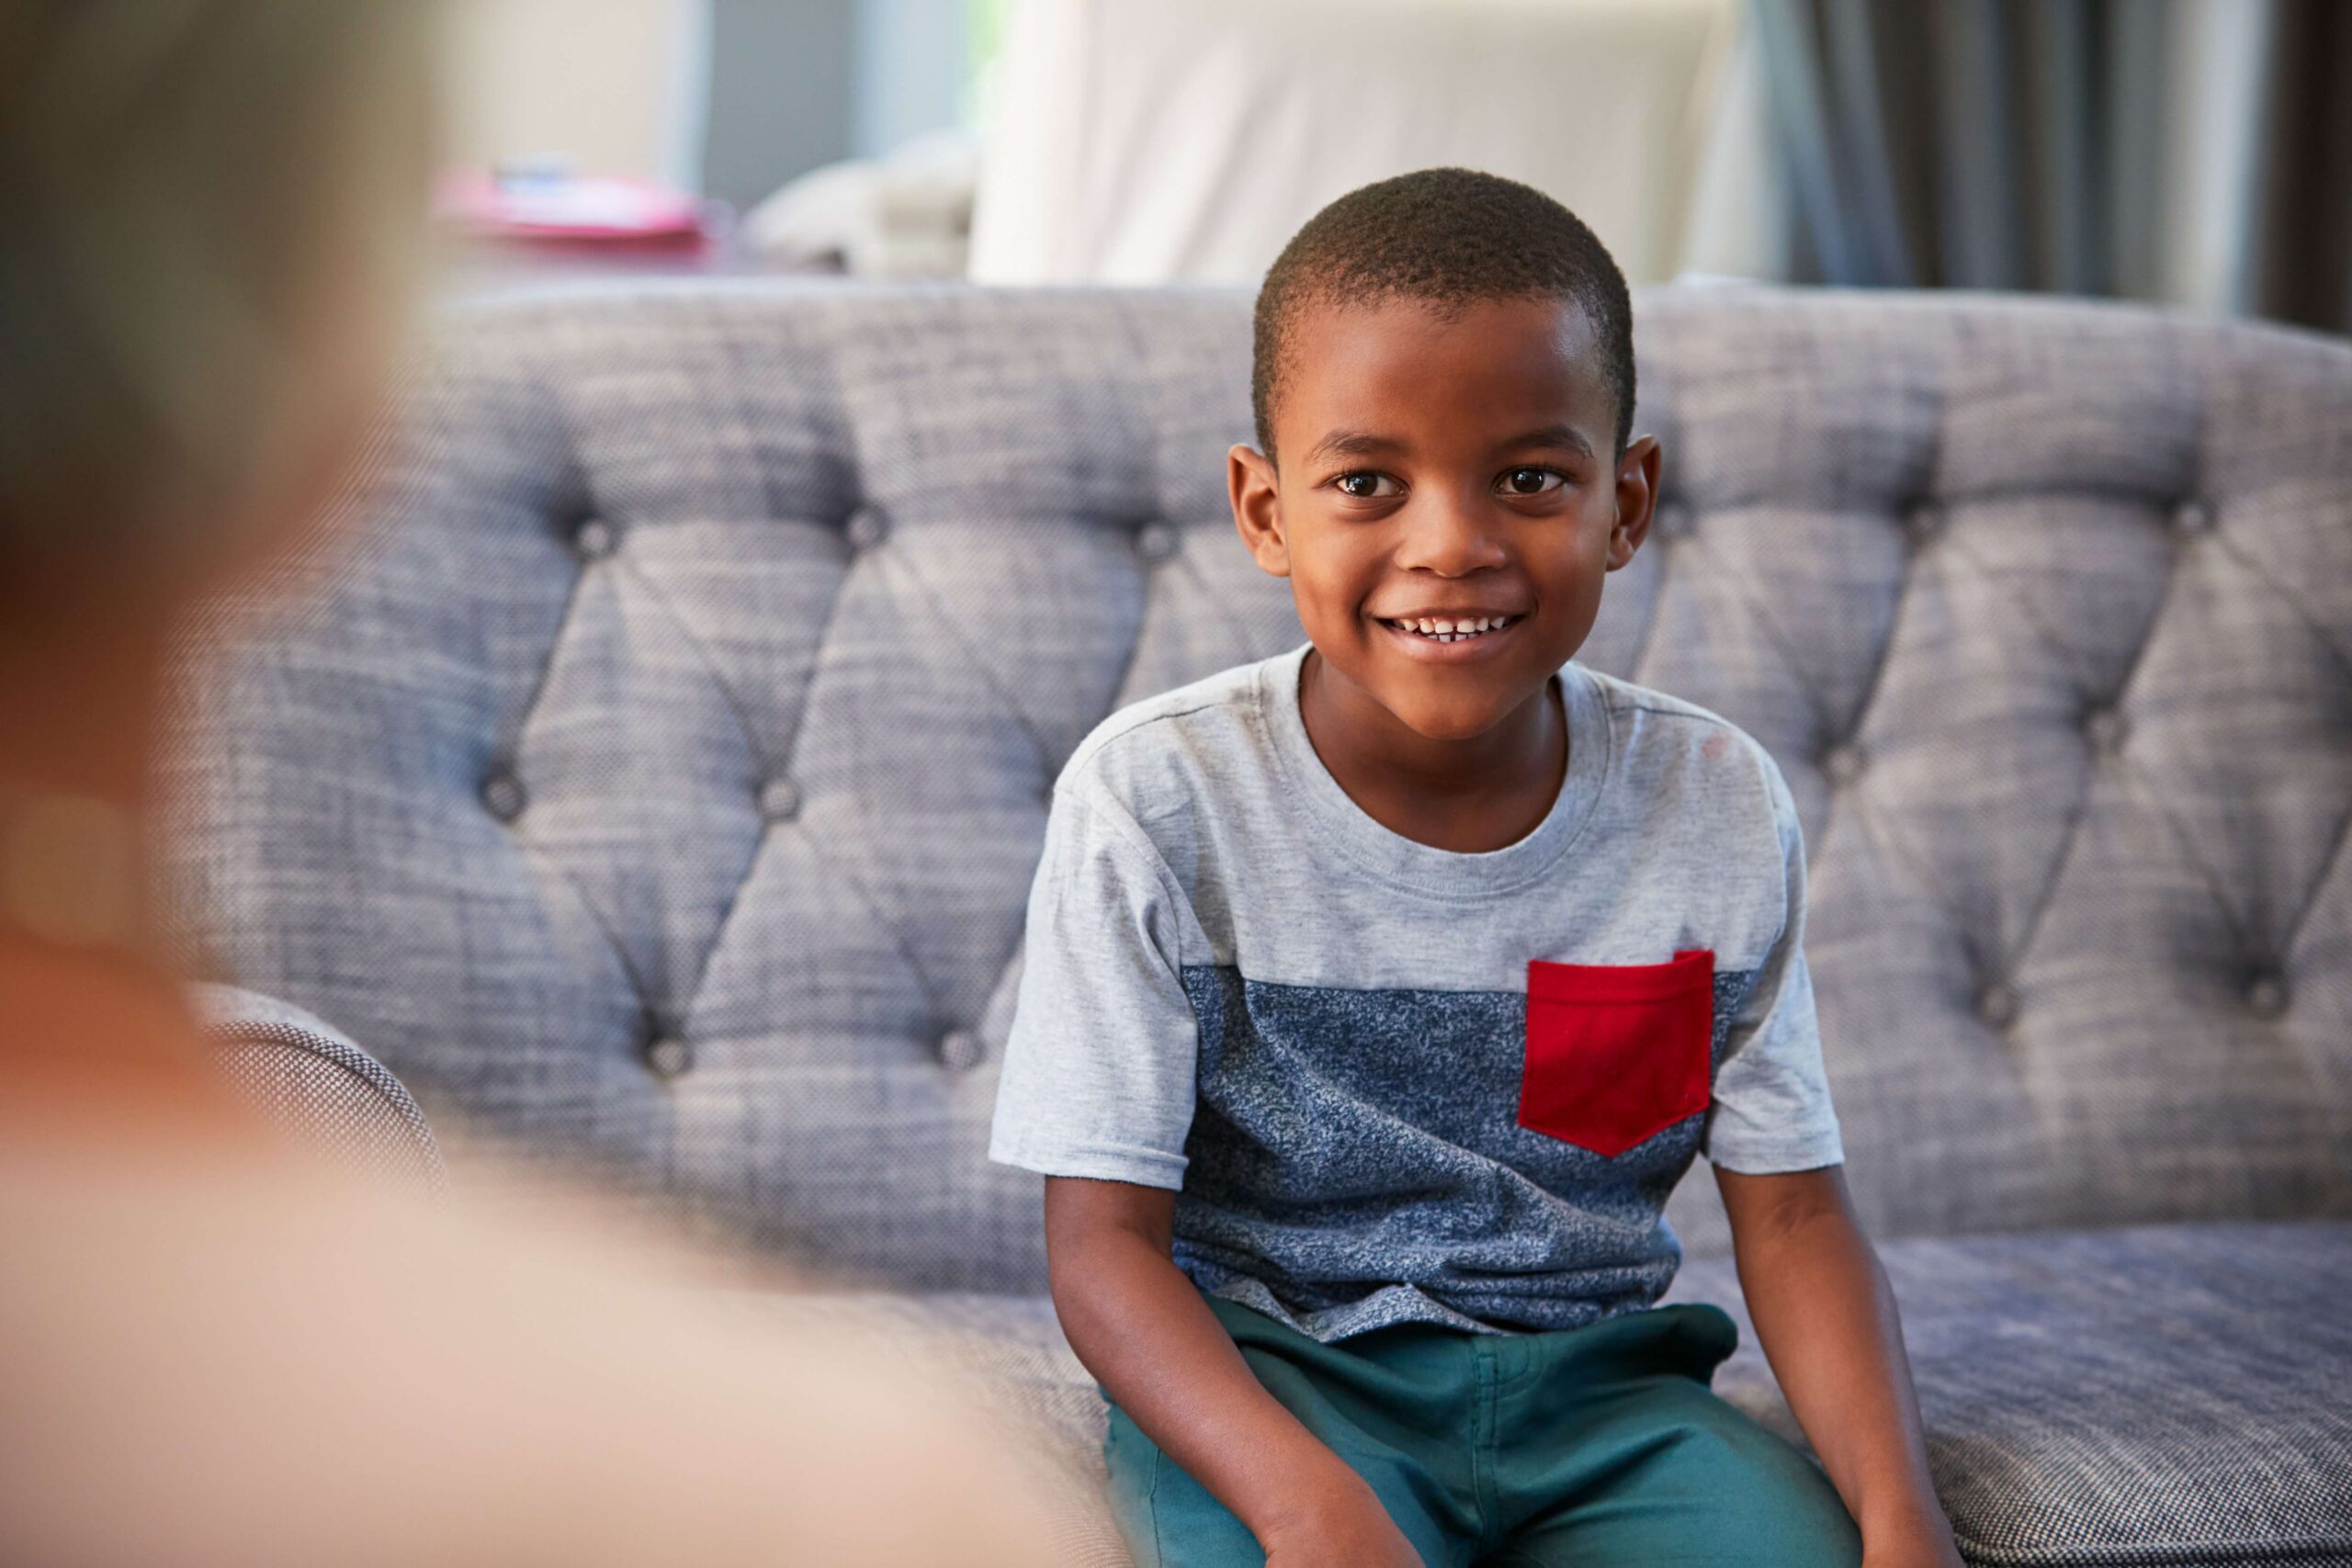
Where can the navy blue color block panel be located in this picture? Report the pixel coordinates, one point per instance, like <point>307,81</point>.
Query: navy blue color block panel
<point>1347,1140</point>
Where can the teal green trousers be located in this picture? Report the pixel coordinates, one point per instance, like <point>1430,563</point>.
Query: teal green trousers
<point>1601,1446</point>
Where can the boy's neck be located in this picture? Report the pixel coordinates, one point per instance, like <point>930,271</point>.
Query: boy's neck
<point>1470,796</point>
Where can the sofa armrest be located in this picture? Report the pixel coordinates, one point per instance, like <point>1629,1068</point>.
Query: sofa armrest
<point>306,1078</point>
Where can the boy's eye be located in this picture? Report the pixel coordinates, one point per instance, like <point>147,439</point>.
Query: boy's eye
<point>1365,485</point>
<point>1532,481</point>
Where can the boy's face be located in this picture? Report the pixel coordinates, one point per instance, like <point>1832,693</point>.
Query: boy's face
<point>1449,468</point>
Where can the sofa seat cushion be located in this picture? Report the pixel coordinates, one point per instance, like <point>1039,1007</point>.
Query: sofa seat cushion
<point>2157,1396</point>
<point>2150,1396</point>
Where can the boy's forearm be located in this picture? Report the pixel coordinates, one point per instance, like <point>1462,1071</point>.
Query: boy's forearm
<point>1828,1326</point>
<point>1143,1329</point>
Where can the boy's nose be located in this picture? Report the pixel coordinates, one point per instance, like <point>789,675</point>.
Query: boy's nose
<point>1451,536</point>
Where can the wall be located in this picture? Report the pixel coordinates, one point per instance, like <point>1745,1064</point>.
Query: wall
<point>620,86</point>
<point>912,58</point>
<point>733,97</point>
<point>781,91</point>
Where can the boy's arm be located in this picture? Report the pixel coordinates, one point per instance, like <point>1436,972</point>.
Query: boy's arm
<point>1826,1320</point>
<point>1143,1329</point>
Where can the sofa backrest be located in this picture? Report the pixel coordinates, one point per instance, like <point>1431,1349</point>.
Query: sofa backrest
<point>658,775</point>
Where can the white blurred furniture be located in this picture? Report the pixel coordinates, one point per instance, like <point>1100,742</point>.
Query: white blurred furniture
<point>1156,141</point>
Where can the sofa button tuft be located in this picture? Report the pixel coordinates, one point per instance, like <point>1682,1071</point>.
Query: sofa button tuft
<point>2192,516</point>
<point>780,799</point>
<point>1156,541</point>
<point>960,1050</point>
<point>502,794</point>
<point>2265,995</point>
<point>1996,1006</point>
<point>867,528</point>
<point>2104,729</point>
<point>595,539</point>
<point>1843,763</point>
<point>668,1056</point>
<point>1924,520</point>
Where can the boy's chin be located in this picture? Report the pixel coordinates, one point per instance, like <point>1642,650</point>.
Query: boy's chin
<point>1442,719</point>
<point>1442,705</point>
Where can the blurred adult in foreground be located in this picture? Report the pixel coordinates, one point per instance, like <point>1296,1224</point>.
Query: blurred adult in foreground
<point>214,1349</point>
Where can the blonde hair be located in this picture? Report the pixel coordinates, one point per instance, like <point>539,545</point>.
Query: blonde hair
<point>197,197</point>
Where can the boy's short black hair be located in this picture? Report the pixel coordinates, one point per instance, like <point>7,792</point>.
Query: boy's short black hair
<point>1449,237</point>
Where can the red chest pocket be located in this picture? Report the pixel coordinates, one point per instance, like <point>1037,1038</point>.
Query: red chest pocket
<point>1617,1053</point>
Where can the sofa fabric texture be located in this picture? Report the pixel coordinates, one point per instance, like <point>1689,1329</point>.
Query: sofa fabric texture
<point>311,1083</point>
<point>659,776</point>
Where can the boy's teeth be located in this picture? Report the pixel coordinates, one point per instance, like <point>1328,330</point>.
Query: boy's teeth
<point>1453,631</point>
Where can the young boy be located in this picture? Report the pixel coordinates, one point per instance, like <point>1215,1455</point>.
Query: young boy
<point>1376,994</point>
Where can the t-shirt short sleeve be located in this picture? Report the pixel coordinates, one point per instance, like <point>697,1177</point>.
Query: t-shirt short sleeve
<point>1771,1110</point>
<point>1098,1077</point>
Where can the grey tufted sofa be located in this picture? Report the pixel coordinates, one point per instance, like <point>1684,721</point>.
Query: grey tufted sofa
<point>657,782</point>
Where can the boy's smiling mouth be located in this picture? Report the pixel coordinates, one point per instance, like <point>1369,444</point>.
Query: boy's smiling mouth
<point>1429,633</point>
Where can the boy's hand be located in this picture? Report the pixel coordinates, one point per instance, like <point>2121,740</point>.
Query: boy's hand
<point>1926,1553</point>
<point>1349,1530</point>
<point>1916,1536</point>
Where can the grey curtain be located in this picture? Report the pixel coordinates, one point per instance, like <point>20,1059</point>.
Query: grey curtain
<point>2022,144</point>
<point>2302,252</point>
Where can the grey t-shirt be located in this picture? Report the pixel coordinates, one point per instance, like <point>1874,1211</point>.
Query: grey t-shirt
<point>1391,1082</point>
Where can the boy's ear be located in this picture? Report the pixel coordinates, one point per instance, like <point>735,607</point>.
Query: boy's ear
<point>1638,473</point>
<point>1257,507</point>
